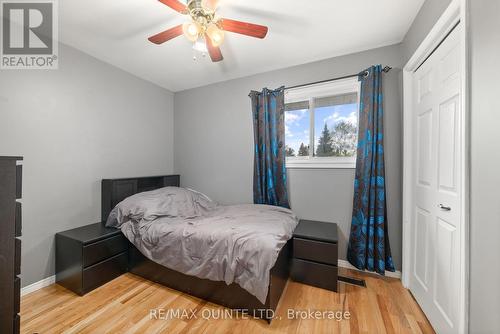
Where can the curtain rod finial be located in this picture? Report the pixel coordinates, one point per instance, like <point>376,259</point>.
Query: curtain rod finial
<point>387,69</point>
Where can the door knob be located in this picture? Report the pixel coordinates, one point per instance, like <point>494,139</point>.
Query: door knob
<point>444,208</point>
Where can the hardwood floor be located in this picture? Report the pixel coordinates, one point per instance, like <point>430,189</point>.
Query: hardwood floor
<point>124,306</point>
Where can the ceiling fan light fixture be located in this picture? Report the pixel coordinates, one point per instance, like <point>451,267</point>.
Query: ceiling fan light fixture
<point>200,45</point>
<point>216,34</point>
<point>205,29</point>
<point>191,30</point>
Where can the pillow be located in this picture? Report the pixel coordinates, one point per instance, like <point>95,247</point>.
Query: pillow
<point>172,202</point>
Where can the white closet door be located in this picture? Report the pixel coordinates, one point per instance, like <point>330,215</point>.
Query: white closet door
<point>435,250</point>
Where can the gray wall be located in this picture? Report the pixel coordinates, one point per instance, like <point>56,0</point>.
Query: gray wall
<point>485,167</point>
<point>74,126</point>
<point>428,15</point>
<point>214,141</point>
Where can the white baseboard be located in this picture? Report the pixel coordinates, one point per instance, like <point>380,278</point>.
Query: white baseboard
<point>346,264</point>
<point>38,285</point>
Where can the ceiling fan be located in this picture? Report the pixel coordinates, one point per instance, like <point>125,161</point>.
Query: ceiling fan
<point>204,28</point>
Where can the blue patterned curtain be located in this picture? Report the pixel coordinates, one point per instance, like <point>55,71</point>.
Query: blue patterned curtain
<point>269,180</point>
<point>368,242</point>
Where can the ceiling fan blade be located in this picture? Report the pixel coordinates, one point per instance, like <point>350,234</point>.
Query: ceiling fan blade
<point>166,35</point>
<point>244,28</point>
<point>213,51</point>
<point>175,5</point>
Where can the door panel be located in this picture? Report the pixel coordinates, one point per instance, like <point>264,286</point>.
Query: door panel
<point>422,243</point>
<point>424,85</point>
<point>436,187</point>
<point>450,65</point>
<point>447,150</point>
<point>443,269</point>
<point>424,129</point>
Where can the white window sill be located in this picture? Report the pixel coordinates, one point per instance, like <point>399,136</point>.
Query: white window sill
<point>321,163</point>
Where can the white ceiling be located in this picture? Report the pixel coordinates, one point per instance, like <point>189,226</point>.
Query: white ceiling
<point>116,32</point>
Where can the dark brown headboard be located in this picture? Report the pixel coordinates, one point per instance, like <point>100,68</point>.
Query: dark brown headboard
<point>113,191</point>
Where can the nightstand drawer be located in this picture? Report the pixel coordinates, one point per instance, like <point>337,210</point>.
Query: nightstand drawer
<point>315,274</point>
<point>104,272</point>
<point>19,181</point>
<point>19,224</point>
<point>103,249</point>
<point>317,251</point>
<point>17,258</point>
<point>17,323</point>
<point>17,295</point>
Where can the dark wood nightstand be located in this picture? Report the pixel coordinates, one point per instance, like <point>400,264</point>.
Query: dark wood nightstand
<point>90,256</point>
<point>315,254</point>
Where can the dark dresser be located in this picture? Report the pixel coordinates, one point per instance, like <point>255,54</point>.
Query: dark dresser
<point>10,244</point>
<point>315,254</point>
<point>90,256</point>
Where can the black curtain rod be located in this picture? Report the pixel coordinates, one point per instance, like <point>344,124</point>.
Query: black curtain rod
<point>385,70</point>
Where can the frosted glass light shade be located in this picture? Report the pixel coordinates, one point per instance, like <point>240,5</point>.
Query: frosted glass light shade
<point>216,35</point>
<point>191,30</point>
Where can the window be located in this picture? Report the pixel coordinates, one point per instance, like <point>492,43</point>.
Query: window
<point>321,125</point>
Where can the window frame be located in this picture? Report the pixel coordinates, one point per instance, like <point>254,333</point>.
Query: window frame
<point>310,93</point>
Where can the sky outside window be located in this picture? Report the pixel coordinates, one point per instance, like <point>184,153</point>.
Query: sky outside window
<point>297,126</point>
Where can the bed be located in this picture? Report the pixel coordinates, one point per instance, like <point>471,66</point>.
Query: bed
<point>232,296</point>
